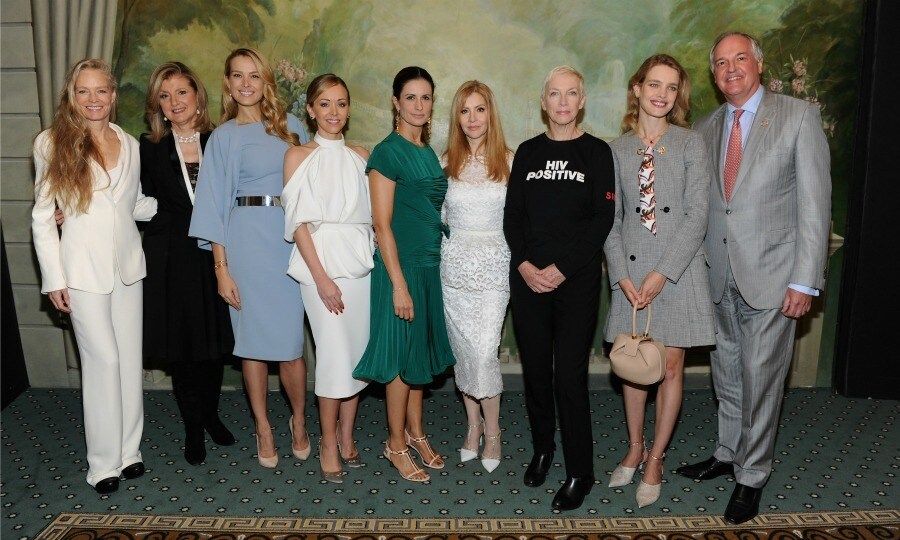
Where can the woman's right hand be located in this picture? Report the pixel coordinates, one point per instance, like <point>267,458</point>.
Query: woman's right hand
<point>330,294</point>
<point>631,292</point>
<point>536,281</point>
<point>60,300</point>
<point>403,304</point>
<point>228,289</point>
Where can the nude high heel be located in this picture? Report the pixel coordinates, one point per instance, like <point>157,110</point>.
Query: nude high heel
<point>421,445</point>
<point>299,454</point>
<point>648,494</point>
<point>417,475</point>
<point>622,475</point>
<point>267,462</point>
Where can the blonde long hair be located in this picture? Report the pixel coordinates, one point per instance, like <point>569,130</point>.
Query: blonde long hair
<point>153,111</point>
<point>680,112</point>
<point>496,153</point>
<point>272,110</point>
<point>72,148</point>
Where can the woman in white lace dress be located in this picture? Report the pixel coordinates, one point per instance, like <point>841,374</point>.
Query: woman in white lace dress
<point>475,262</point>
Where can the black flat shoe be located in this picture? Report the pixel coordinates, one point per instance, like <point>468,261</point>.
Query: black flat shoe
<point>135,470</point>
<point>219,433</point>
<point>536,473</point>
<point>194,445</point>
<point>572,493</point>
<point>705,470</point>
<point>107,485</point>
<point>743,505</point>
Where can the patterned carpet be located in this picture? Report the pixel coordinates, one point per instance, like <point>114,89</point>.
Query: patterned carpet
<point>834,457</point>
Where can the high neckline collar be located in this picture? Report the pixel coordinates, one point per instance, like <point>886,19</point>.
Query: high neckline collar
<point>328,143</point>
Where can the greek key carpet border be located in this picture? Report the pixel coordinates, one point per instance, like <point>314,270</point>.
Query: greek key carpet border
<point>135,522</point>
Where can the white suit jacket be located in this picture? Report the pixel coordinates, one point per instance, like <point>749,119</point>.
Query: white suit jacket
<point>96,244</point>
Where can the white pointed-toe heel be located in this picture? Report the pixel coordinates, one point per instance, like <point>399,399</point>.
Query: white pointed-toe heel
<point>466,454</point>
<point>648,494</point>
<point>623,475</point>
<point>490,464</point>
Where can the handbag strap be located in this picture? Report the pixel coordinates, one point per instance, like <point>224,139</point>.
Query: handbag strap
<point>634,321</point>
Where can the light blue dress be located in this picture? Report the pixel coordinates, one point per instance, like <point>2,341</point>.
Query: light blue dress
<point>241,160</point>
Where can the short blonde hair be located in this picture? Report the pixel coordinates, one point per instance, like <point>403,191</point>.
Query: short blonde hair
<point>563,70</point>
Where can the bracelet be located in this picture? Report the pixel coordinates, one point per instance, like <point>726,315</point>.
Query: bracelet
<point>220,264</point>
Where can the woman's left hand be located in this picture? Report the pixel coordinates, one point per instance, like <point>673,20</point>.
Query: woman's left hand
<point>59,217</point>
<point>653,284</point>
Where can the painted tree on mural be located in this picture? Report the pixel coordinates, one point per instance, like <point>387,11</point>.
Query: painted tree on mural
<point>238,19</point>
<point>814,55</point>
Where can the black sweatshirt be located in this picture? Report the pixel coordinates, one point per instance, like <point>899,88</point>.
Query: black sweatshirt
<point>560,202</point>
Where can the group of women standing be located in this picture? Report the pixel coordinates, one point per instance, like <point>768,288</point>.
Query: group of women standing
<point>454,245</point>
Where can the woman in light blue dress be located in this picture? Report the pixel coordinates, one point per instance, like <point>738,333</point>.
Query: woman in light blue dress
<point>238,213</point>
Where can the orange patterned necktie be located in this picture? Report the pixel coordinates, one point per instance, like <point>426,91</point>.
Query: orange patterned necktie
<point>733,154</point>
<point>646,179</point>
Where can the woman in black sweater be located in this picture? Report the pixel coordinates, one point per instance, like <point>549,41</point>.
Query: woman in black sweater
<point>559,210</point>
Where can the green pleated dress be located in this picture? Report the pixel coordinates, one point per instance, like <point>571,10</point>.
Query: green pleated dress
<point>417,351</point>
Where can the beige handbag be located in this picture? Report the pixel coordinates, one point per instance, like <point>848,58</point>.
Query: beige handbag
<point>638,358</point>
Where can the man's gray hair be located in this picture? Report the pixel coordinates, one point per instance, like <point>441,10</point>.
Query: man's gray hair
<point>754,45</point>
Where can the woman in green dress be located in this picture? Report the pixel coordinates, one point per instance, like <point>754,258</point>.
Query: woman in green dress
<point>408,342</point>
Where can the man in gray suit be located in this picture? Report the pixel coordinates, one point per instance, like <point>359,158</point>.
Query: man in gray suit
<point>769,216</point>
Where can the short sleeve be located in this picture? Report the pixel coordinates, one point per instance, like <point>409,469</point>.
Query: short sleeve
<point>300,201</point>
<point>384,160</point>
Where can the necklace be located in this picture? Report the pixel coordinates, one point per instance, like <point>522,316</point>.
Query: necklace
<point>192,138</point>
<point>655,139</point>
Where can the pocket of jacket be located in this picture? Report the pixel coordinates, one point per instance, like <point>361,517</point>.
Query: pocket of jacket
<point>781,236</point>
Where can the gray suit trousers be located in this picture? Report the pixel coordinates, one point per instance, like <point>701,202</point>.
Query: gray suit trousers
<point>749,366</point>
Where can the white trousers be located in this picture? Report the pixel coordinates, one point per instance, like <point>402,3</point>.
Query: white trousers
<point>109,335</point>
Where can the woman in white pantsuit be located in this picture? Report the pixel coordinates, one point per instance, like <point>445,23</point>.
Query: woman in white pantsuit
<point>90,169</point>
<point>328,215</point>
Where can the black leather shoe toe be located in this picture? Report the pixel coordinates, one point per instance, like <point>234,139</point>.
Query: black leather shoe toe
<point>219,433</point>
<point>107,485</point>
<point>710,468</point>
<point>135,470</point>
<point>194,445</point>
<point>536,473</point>
<point>572,493</point>
<point>743,505</point>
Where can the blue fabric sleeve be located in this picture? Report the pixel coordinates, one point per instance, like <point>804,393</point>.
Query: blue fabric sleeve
<point>214,195</point>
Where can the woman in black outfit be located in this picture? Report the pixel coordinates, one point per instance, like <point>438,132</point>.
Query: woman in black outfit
<point>185,321</point>
<point>559,210</point>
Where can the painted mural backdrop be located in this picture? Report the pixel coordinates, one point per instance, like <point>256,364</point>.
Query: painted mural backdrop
<point>812,52</point>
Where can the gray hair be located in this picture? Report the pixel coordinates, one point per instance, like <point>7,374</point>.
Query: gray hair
<point>754,46</point>
<point>563,70</point>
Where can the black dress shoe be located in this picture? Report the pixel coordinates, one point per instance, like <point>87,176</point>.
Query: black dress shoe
<point>710,468</point>
<point>743,505</point>
<point>219,433</point>
<point>135,470</point>
<point>107,485</point>
<point>194,444</point>
<point>572,493</point>
<point>536,472</point>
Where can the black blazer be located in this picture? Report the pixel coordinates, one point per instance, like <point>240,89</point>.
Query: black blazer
<point>184,318</point>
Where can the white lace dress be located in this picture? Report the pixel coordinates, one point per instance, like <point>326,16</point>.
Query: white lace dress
<point>475,278</point>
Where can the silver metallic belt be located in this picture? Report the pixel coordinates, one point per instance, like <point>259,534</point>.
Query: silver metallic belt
<point>259,200</point>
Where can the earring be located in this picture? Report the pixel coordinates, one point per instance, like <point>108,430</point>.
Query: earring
<point>198,112</point>
<point>165,118</point>
<point>397,123</point>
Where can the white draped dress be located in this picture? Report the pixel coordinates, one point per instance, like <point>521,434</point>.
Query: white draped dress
<point>329,193</point>
<point>475,278</point>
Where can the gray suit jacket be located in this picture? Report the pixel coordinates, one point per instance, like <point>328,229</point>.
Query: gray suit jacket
<point>682,313</point>
<point>775,229</point>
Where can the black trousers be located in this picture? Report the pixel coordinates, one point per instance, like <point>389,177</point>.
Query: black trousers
<point>197,387</point>
<point>554,332</point>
